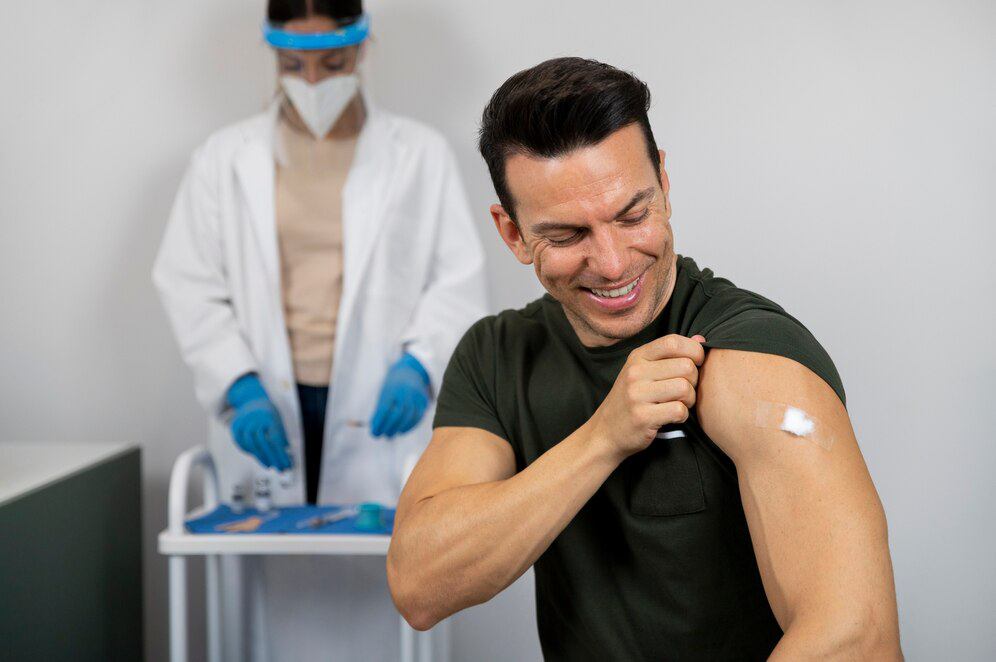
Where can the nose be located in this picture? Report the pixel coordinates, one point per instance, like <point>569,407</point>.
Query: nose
<point>607,258</point>
<point>313,73</point>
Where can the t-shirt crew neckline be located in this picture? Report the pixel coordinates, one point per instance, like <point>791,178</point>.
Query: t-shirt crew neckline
<point>622,347</point>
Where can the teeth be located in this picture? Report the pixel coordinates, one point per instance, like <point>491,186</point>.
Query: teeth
<point>612,294</point>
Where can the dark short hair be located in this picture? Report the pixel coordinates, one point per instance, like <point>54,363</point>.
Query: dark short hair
<point>343,12</point>
<point>559,106</point>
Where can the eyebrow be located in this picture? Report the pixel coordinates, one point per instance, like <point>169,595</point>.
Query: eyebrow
<point>554,226</point>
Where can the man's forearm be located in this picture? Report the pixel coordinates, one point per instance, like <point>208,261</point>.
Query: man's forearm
<point>464,545</point>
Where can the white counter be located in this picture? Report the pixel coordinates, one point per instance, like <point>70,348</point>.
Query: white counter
<point>28,466</point>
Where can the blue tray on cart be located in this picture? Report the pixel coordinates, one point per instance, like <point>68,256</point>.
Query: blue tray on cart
<point>285,520</point>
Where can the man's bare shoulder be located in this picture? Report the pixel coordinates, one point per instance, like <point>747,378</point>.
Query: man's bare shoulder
<point>744,399</point>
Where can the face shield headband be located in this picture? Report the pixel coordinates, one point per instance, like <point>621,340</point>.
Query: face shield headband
<point>348,36</point>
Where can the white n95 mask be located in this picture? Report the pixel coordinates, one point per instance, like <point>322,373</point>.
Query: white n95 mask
<point>321,104</point>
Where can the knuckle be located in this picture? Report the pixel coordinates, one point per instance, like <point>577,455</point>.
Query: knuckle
<point>669,344</point>
<point>686,389</point>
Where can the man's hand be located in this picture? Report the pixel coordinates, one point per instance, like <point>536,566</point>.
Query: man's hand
<point>656,387</point>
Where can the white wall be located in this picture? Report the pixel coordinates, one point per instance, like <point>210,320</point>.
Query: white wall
<point>835,156</point>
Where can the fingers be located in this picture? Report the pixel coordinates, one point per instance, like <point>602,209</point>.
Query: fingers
<point>399,412</point>
<point>386,417</point>
<point>669,390</point>
<point>673,346</point>
<point>380,415</point>
<point>395,415</point>
<point>407,422</point>
<point>277,441</point>
<point>662,369</point>
<point>240,434</point>
<point>417,410</point>
<point>264,452</point>
<point>668,413</point>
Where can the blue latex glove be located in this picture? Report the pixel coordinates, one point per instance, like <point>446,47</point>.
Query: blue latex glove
<point>256,426</point>
<point>403,398</point>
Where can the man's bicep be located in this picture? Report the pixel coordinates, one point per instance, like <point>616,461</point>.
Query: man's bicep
<point>816,522</point>
<point>458,456</point>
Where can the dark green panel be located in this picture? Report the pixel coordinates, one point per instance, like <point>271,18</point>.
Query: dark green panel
<point>71,568</point>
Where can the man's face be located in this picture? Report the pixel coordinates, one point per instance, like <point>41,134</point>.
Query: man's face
<point>595,225</point>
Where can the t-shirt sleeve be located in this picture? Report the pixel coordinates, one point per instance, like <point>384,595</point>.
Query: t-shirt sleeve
<point>467,395</point>
<point>775,332</point>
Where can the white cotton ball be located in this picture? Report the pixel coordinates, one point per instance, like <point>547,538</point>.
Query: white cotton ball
<point>797,422</point>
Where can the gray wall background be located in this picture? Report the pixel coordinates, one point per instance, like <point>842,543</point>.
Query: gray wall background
<point>836,156</point>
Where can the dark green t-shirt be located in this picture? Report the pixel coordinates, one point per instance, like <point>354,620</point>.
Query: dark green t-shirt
<point>658,565</point>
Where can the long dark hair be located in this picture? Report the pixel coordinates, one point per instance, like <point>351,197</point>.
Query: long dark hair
<point>559,106</point>
<point>343,12</point>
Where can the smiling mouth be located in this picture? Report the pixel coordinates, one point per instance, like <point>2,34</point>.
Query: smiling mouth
<point>614,293</point>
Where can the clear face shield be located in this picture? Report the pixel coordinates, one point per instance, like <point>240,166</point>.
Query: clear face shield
<point>318,70</point>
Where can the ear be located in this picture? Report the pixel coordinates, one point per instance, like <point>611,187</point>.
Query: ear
<point>665,184</point>
<point>510,234</point>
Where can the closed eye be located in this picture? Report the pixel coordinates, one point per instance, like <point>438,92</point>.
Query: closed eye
<point>566,241</point>
<point>637,220</point>
<point>287,64</point>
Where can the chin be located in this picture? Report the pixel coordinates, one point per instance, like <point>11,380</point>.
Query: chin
<point>621,329</point>
<point>617,327</point>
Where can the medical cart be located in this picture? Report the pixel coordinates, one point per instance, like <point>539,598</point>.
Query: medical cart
<point>179,541</point>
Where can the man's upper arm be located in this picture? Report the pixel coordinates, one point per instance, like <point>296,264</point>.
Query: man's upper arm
<point>817,525</point>
<point>457,456</point>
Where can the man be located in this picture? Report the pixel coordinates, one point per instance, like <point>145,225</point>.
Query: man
<point>677,504</point>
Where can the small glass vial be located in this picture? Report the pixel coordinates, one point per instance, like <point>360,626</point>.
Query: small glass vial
<point>261,497</point>
<point>238,499</point>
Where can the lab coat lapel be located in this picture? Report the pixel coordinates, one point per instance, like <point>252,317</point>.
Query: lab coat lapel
<point>255,171</point>
<point>366,200</point>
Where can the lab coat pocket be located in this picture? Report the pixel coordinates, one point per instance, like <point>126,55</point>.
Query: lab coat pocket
<point>664,480</point>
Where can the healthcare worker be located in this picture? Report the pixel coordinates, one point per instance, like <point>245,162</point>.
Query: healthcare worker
<point>318,268</point>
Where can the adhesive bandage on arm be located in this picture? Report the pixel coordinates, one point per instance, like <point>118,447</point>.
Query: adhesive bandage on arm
<point>793,420</point>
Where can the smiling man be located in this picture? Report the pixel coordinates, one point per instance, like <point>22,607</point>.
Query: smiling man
<point>671,452</point>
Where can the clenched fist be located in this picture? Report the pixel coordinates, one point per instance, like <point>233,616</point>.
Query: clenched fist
<point>656,387</point>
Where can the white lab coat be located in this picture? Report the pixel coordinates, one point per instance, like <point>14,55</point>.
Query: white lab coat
<point>413,280</point>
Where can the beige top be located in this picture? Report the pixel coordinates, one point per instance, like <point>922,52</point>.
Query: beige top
<point>310,177</point>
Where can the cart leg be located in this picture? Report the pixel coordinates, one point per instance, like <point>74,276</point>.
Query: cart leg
<point>178,608</point>
<point>233,598</point>
<point>440,651</point>
<point>259,631</point>
<point>407,642</point>
<point>425,646</point>
<point>212,577</point>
